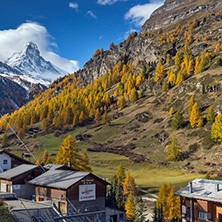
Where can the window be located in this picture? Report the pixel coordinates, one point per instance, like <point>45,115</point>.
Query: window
<point>188,212</point>
<point>204,215</point>
<point>5,161</point>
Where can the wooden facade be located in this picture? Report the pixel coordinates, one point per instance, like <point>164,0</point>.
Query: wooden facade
<point>23,178</point>
<point>201,211</point>
<point>73,194</point>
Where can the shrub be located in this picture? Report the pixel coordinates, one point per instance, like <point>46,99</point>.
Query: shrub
<point>208,142</point>
<point>194,147</point>
<point>219,62</point>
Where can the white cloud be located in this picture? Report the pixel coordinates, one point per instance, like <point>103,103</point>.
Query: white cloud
<point>140,13</point>
<point>109,2</point>
<point>74,5</point>
<point>14,40</point>
<point>92,14</point>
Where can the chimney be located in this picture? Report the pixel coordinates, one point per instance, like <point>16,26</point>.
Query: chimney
<point>217,187</point>
<point>190,187</point>
<point>69,163</point>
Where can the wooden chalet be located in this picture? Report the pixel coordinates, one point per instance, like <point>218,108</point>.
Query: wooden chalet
<point>201,201</point>
<point>9,160</point>
<point>84,190</point>
<point>15,180</point>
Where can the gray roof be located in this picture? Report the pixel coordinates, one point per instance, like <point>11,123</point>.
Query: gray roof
<point>17,171</point>
<point>62,179</point>
<point>52,166</point>
<point>210,190</point>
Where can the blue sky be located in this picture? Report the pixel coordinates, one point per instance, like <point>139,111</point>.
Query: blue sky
<point>69,30</point>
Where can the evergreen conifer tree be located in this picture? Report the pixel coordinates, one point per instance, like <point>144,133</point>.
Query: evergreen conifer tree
<point>122,104</point>
<point>119,196</point>
<point>178,120</point>
<point>165,85</point>
<point>5,140</point>
<point>174,149</point>
<point>178,61</point>
<point>211,115</point>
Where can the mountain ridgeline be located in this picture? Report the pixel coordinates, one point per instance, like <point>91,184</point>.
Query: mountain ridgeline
<point>158,83</point>
<point>31,74</point>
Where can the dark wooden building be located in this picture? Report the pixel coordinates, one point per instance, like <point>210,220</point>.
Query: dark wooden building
<point>201,201</point>
<point>67,188</point>
<point>15,180</point>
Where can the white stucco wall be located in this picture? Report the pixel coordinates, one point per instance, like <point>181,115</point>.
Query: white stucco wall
<point>3,166</point>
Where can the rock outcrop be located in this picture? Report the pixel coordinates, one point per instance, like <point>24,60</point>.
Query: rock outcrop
<point>174,10</point>
<point>138,48</point>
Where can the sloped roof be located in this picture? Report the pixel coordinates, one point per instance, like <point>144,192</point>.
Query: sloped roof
<point>62,179</point>
<point>202,189</point>
<point>52,166</point>
<point>16,157</point>
<point>17,171</point>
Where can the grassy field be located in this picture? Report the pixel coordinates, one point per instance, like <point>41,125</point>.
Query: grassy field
<point>147,176</point>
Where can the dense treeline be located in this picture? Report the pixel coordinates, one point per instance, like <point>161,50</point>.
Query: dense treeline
<point>67,103</point>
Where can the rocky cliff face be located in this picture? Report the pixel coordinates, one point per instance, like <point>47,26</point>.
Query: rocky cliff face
<point>174,10</point>
<point>138,48</point>
<point>141,47</point>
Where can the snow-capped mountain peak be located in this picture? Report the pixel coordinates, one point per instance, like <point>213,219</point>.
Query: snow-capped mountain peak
<point>30,62</point>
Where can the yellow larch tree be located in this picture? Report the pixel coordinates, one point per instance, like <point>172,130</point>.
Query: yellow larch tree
<point>197,63</point>
<point>68,153</point>
<point>162,197</point>
<point>216,132</point>
<point>178,60</point>
<point>172,77</point>
<point>98,117</point>
<point>120,174</point>
<point>195,116</point>
<point>173,203</point>
<point>38,161</point>
<point>192,101</point>
<point>130,209</point>
<point>45,156</point>
<point>160,71</point>
<point>171,112</point>
<point>129,185</point>
<point>85,162</point>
